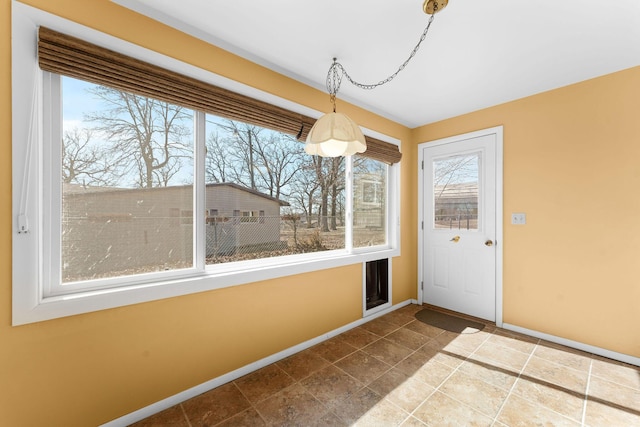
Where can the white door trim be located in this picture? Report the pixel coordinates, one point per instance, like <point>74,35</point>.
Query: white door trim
<point>498,131</point>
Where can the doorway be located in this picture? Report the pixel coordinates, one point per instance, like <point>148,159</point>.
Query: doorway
<point>460,214</point>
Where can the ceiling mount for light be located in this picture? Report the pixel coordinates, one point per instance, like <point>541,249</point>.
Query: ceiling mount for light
<point>335,134</point>
<point>432,7</point>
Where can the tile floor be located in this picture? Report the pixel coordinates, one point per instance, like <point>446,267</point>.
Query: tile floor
<point>398,371</point>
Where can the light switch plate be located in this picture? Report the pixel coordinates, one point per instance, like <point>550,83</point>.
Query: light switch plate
<point>518,218</point>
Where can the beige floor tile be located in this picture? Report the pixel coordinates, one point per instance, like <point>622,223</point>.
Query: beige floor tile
<point>495,354</point>
<point>565,356</point>
<point>292,406</point>
<point>215,406</point>
<point>480,395</point>
<point>410,395</point>
<point>423,329</point>
<point>411,309</point>
<point>469,342</point>
<point>333,349</point>
<point>380,326</point>
<point>607,392</point>
<point>501,377</point>
<point>396,370</point>
<point>367,408</point>
<point>362,366</point>
<point>387,351</point>
<point>382,414</point>
<point>389,381</point>
<point>331,385</point>
<point>441,410</point>
<point>518,412</point>
<point>616,372</point>
<point>428,371</point>
<point>514,340</point>
<point>329,420</point>
<point>302,364</point>
<point>248,418</point>
<point>400,317</point>
<point>407,338</point>
<point>450,354</point>
<point>447,341</point>
<point>263,383</point>
<point>173,417</point>
<point>359,337</point>
<point>419,357</point>
<point>553,373</point>
<point>402,390</point>
<point>413,422</point>
<point>599,414</point>
<point>556,398</point>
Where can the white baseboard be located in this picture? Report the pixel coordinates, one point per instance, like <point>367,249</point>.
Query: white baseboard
<point>575,344</point>
<point>154,408</point>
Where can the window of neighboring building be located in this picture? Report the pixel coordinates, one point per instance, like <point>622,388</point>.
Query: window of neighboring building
<point>113,194</point>
<point>371,192</point>
<point>370,212</point>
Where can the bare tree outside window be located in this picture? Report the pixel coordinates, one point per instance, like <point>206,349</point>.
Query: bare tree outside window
<point>147,137</point>
<point>84,161</point>
<point>128,206</point>
<point>306,190</point>
<point>217,164</point>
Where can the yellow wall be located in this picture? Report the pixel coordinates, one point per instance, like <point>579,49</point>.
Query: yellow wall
<point>89,369</point>
<point>572,164</point>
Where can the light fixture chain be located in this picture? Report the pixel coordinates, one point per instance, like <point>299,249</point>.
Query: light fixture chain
<point>337,70</point>
<point>334,80</point>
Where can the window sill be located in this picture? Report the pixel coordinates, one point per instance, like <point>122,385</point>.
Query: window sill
<point>85,302</point>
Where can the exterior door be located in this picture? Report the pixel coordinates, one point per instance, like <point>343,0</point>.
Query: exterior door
<point>459,223</point>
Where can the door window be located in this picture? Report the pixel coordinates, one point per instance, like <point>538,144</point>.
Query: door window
<point>456,192</point>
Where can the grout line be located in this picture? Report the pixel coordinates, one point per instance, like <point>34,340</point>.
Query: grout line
<point>513,386</point>
<point>586,395</point>
<point>186,417</point>
<point>437,389</point>
<point>251,404</point>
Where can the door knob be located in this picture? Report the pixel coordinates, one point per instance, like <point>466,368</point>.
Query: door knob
<point>456,239</point>
<point>488,243</point>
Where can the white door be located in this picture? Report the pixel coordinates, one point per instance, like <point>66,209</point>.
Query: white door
<point>459,223</point>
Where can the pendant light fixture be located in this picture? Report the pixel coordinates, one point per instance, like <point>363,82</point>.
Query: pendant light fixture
<point>335,134</point>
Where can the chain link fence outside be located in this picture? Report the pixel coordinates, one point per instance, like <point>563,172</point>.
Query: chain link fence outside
<point>456,222</point>
<point>118,246</point>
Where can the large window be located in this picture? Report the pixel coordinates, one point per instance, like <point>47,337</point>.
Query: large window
<point>272,198</point>
<point>126,169</point>
<point>121,198</point>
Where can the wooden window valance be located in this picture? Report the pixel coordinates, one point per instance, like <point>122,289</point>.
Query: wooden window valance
<point>63,54</point>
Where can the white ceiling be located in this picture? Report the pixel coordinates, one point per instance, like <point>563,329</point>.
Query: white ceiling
<point>477,53</point>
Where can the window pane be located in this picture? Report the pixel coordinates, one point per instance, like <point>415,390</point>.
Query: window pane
<point>456,192</point>
<point>369,202</point>
<point>127,183</point>
<point>270,198</point>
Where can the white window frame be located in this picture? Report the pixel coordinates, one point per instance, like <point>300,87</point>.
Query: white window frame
<point>32,222</point>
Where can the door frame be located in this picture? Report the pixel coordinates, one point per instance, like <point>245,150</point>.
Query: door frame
<point>498,131</point>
